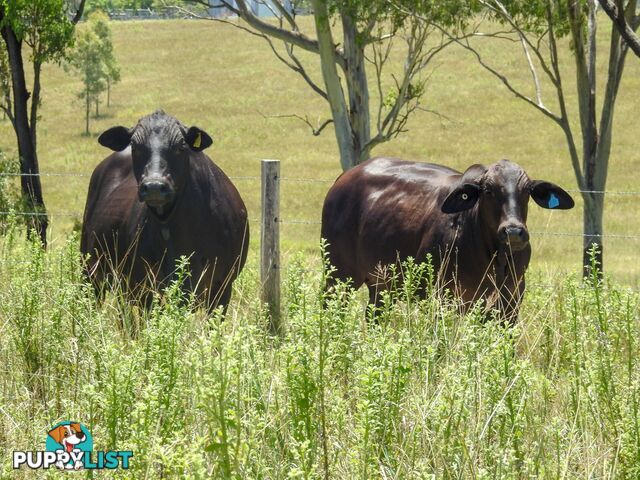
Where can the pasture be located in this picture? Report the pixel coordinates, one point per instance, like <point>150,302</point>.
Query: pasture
<point>427,393</point>
<point>227,82</point>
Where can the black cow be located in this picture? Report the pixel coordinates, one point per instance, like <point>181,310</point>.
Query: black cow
<point>473,224</point>
<point>159,197</point>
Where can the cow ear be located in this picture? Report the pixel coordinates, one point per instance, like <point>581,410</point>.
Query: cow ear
<point>551,196</point>
<point>461,198</point>
<point>198,139</point>
<point>116,138</point>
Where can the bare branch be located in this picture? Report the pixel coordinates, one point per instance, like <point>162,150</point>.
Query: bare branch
<point>436,113</point>
<point>219,20</point>
<point>295,36</point>
<point>7,111</point>
<point>532,69</point>
<point>298,68</point>
<point>501,10</point>
<point>626,29</point>
<point>508,84</point>
<point>564,116</point>
<point>284,14</point>
<point>426,59</point>
<point>407,90</point>
<point>381,52</point>
<point>314,130</point>
<point>78,15</point>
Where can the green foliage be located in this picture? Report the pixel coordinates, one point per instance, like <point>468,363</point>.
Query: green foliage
<point>87,61</point>
<point>5,77</point>
<point>447,13</point>
<point>41,24</point>
<point>9,192</point>
<point>100,23</point>
<point>94,60</point>
<point>426,393</point>
<point>111,5</point>
<point>535,17</point>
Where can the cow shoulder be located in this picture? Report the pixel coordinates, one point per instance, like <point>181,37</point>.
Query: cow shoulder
<point>112,191</point>
<point>215,191</point>
<point>407,190</point>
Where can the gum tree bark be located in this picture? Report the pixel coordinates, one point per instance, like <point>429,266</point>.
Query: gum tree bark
<point>25,134</point>
<point>626,22</point>
<point>335,96</point>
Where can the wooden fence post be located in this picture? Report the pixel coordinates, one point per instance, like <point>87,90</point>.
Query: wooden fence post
<point>270,241</point>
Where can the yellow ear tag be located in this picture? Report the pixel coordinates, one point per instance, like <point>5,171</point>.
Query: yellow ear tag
<point>197,141</point>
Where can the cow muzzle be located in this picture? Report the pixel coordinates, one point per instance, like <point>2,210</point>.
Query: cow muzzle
<point>514,237</point>
<point>155,193</point>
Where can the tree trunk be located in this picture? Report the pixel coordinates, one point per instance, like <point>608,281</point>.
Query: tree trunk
<point>97,107</point>
<point>25,133</point>
<point>358,89</point>
<point>35,101</point>
<point>349,157</point>
<point>108,92</point>
<point>596,140</point>
<point>88,107</point>
<point>593,255</point>
<point>584,42</point>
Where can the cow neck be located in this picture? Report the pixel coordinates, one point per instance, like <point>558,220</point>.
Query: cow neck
<point>164,222</point>
<point>473,234</point>
<point>167,265</point>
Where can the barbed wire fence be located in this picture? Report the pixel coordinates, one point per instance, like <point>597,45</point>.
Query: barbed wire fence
<point>270,221</point>
<point>299,221</point>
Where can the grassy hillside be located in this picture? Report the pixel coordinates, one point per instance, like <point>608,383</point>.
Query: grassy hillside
<point>227,82</point>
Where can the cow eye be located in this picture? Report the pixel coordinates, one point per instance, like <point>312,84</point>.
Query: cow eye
<point>488,192</point>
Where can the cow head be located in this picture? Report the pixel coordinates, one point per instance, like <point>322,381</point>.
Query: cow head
<point>160,149</point>
<point>501,193</point>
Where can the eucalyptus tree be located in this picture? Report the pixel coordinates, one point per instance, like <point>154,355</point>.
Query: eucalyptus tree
<point>538,26</point>
<point>44,30</point>
<point>349,35</point>
<point>94,60</point>
<point>111,68</point>
<point>87,61</point>
<point>626,21</point>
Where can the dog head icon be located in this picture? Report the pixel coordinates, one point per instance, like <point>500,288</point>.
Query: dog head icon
<point>68,435</point>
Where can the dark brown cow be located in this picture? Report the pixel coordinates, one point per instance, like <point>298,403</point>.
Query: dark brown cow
<point>157,198</point>
<point>473,224</point>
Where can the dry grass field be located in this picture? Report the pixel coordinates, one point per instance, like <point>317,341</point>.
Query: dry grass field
<point>229,83</point>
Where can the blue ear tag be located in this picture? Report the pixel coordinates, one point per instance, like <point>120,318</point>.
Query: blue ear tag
<point>553,201</point>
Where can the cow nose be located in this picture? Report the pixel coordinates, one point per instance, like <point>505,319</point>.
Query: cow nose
<point>514,235</point>
<point>155,192</point>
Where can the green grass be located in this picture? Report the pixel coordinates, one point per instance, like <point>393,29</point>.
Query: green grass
<point>227,81</point>
<point>424,394</point>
